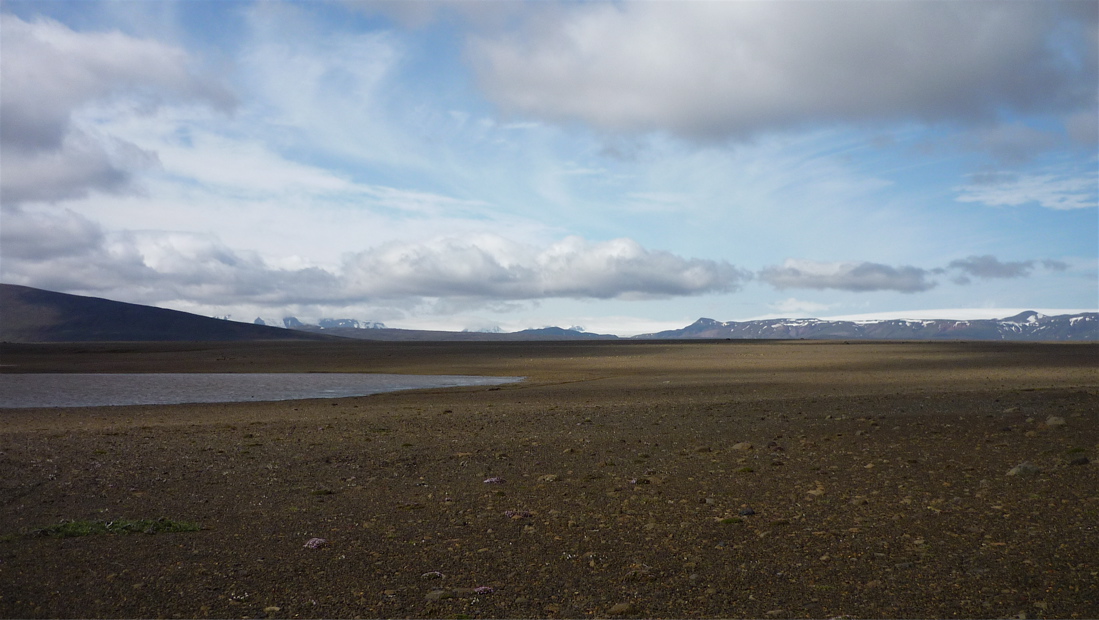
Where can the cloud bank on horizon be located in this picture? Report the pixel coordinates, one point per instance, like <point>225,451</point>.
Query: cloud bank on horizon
<point>626,166</point>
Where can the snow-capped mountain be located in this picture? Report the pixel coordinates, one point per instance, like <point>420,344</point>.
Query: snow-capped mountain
<point>1023,326</point>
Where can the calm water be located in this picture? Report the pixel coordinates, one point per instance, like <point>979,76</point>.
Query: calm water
<point>94,390</point>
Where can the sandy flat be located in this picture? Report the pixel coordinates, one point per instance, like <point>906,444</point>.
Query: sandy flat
<point>631,479</point>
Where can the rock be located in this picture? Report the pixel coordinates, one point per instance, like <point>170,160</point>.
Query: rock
<point>621,609</point>
<point>1079,459</point>
<point>743,446</point>
<point>548,478</point>
<point>1024,469</point>
<point>774,613</point>
<point>1055,420</point>
<point>746,512</point>
<point>315,543</point>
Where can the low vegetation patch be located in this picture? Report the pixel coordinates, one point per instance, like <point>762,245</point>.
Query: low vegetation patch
<point>69,529</point>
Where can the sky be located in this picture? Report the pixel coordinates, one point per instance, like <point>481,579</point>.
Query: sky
<point>621,167</point>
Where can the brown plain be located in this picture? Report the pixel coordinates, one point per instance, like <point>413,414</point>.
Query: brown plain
<point>640,479</point>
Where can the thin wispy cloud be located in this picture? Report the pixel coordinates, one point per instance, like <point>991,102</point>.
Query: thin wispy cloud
<point>1051,191</point>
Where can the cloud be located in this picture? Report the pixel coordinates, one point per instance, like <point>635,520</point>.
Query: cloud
<point>46,234</point>
<point>847,276</point>
<point>862,276</point>
<point>1057,191</point>
<point>490,267</point>
<point>65,251</point>
<point>1012,144</point>
<point>990,267</point>
<point>80,164</point>
<point>707,70</point>
<point>48,72</point>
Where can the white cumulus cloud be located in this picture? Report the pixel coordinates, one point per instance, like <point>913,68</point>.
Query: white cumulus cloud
<point>493,268</point>
<point>48,72</point>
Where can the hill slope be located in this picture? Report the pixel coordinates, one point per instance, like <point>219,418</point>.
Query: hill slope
<point>34,315</point>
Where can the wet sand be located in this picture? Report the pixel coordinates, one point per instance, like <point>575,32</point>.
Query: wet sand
<point>635,479</point>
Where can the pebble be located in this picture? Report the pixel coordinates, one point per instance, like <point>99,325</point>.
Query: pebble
<point>1055,420</point>
<point>746,512</point>
<point>1079,460</point>
<point>1024,469</point>
<point>742,446</point>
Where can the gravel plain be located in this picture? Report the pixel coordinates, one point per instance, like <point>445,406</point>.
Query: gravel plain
<point>620,479</point>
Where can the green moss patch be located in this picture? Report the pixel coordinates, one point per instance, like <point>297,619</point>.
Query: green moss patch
<point>69,529</point>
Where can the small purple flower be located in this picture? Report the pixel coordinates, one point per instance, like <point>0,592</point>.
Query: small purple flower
<point>484,590</point>
<point>494,480</point>
<point>316,543</point>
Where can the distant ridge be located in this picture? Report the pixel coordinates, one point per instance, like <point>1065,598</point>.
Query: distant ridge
<point>393,334</point>
<point>34,315</point>
<point>1025,326</point>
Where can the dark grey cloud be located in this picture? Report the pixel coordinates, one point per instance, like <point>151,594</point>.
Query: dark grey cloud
<point>862,276</point>
<point>988,266</point>
<point>79,165</point>
<point>46,235</point>
<point>856,277</point>
<point>49,71</point>
<point>712,70</point>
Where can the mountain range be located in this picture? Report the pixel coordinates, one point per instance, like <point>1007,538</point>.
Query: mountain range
<point>35,315</point>
<point>1027,325</point>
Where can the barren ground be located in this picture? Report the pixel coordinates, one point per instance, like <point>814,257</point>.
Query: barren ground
<point>875,484</point>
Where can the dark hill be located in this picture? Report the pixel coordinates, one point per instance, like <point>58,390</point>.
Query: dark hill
<point>34,315</point>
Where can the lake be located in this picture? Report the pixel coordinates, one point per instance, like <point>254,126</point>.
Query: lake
<point>97,390</point>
